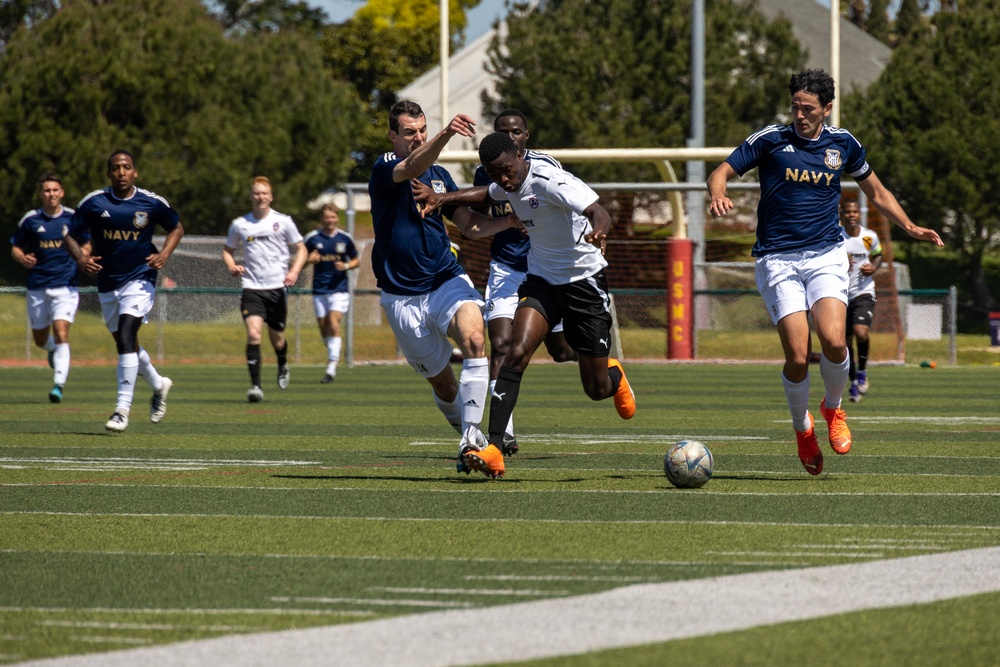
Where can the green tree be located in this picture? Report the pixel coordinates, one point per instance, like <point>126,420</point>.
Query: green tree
<point>382,48</point>
<point>617,73</point>
<point>877,24</point>
<point>15,14</point>
<point>257,16</point>
<point>933,117</point>
<point>202,113</point>
<point>909,20</point>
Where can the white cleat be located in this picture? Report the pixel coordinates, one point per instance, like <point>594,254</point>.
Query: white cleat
<point>158,404</point>
<point>284,375</point>
<point>117,423</point>
<point>255,394</point>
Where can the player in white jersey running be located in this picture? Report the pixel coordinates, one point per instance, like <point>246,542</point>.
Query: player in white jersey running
<point>52,297</point>
<point>266,236</point>
<point>801,266</point>
<point>565,282</point>
<point>864,252</point>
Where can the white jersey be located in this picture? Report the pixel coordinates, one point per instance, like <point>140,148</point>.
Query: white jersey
<point>860,250</point>
<point>265,248</point>
<point>550,204</point>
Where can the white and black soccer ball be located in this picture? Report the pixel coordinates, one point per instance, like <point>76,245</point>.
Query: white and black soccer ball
<point>688,464</point>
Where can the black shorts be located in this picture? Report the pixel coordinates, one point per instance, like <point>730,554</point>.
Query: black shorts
<point>271,304</point>
<point>860,310</point>
<point>583,306</point>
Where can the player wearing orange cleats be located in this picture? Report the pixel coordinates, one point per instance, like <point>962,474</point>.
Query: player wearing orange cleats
<point>836,421</point>
<point>624,397</point>
<point>809,452</point>
<point>488,461</point>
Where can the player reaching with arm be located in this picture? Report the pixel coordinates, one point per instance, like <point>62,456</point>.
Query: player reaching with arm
<point>121,220</point>
<point>801,265</point>
<point>565,282</point>
<point>52,297</point>
<point>864,252</point>
<point>332,253</point>
<point>267,237</point>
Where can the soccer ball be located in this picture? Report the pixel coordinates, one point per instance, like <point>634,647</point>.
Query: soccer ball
<point>688,464</point>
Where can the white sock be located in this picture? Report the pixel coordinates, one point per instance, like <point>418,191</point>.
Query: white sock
<point>510,422</point>
<point>333,345</point>
<point>452,411</point>
<point>128,371</point>
<point>50,344</point>
<point>472,386</point>
<point>60,359</point>
<point>835,379</point>
<point>147,372</point>
<point>797,395</point>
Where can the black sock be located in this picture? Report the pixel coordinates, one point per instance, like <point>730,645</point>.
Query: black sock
<point>852,370</point>
<point>282,354</point>
<point>253,363</point>
<point>616,379</point>
<point>502,403</point>
<point>863,354</point>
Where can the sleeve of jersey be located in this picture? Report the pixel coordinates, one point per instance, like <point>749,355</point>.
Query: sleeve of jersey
<point>382,175</point>
<point>352,250</point>
<point>448,210</point>
<point>167,217</point>
<point>77,226</point>
<point>568,191</point>
<point>857,160</point>
<point>746,156</point>
<point>232,236</point>
<point>292,233</point>
<point>876,250</point>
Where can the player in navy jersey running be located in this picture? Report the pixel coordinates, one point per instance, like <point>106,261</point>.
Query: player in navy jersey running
<point>332,253</point>
<point>425,293</point>
<point>52,297</point>
<point>266,236</point>
<point>121,220</point>
<point>801,264</point>
<point>509,255</point>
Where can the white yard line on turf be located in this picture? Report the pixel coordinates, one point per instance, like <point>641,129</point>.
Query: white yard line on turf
<point>628,616</point>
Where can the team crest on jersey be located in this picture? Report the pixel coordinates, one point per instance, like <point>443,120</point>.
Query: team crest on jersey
<point>438,186</point>
<point>533,201</point>
<point>341,248</point>
<point>140,220</point>
<point>868,243</point>
<point>832,159</point>
<point>274,226</point>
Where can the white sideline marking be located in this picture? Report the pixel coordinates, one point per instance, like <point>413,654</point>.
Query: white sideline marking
<point>371,602</point>
<point>126,610</point>
<point>622,617</point>
<point>149,626</point>
<point>96,464</point>
<point>468,591</point>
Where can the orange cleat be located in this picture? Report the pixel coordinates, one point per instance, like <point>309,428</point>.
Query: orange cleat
<point>809,453</point>
<point>836,420</point>
<point>488,461</point>
<point>624,397</point>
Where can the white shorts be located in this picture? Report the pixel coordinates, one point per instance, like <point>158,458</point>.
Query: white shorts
<point>45,306</point>
<point>501,293</point>
<point>133,298</point>
<point>420,323</point>
<point>791,282</point>
<point>335,302</point>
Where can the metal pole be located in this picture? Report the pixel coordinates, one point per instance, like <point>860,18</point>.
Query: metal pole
<point>835,57</point>
<point>696,168</point>
<point>952,324</point>
<point>349,325</point>
<point>443,55</point>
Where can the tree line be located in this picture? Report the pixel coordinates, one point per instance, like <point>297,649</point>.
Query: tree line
<point>209,94</point>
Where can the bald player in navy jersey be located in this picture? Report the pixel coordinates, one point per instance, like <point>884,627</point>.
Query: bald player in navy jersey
<point>121,220</point>
<point>801,264</point>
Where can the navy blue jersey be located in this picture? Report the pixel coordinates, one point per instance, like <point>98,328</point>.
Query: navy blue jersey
<point>799,185</point>
<point>42,236</point>
<point>509,247</point>
<point>412,255</point>
<point>337,248</point>
<point>122,233</point>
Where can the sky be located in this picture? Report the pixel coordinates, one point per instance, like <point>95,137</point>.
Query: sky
<point>480,19</point>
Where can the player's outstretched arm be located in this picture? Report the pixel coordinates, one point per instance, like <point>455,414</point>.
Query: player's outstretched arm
<point>421,159</point>
<point>720,204</point>
<point>888,206</point>
<point>600,220</point>
<point>430,200</point>
<point>475,225</point>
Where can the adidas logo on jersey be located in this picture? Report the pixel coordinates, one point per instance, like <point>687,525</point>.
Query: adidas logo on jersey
<point>471,403</point>
<point>105,214</point>
<point>788,149</point>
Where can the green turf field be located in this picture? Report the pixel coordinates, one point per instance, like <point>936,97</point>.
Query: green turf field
<point>337,503</point>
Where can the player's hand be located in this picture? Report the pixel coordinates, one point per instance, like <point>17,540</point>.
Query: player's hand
<point>156,261</point>
<point>28,260</point>
<point>89,265</point>
<point>290,278</point>
<point>340,266</point>
<point>720,206</point>
<point>314,257</point>
<point>427,200</point>
<point>463,125</point>
<point>925,234</point>
<point>237,270</point>
<point>597,238</point>
<point>867,269</point>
